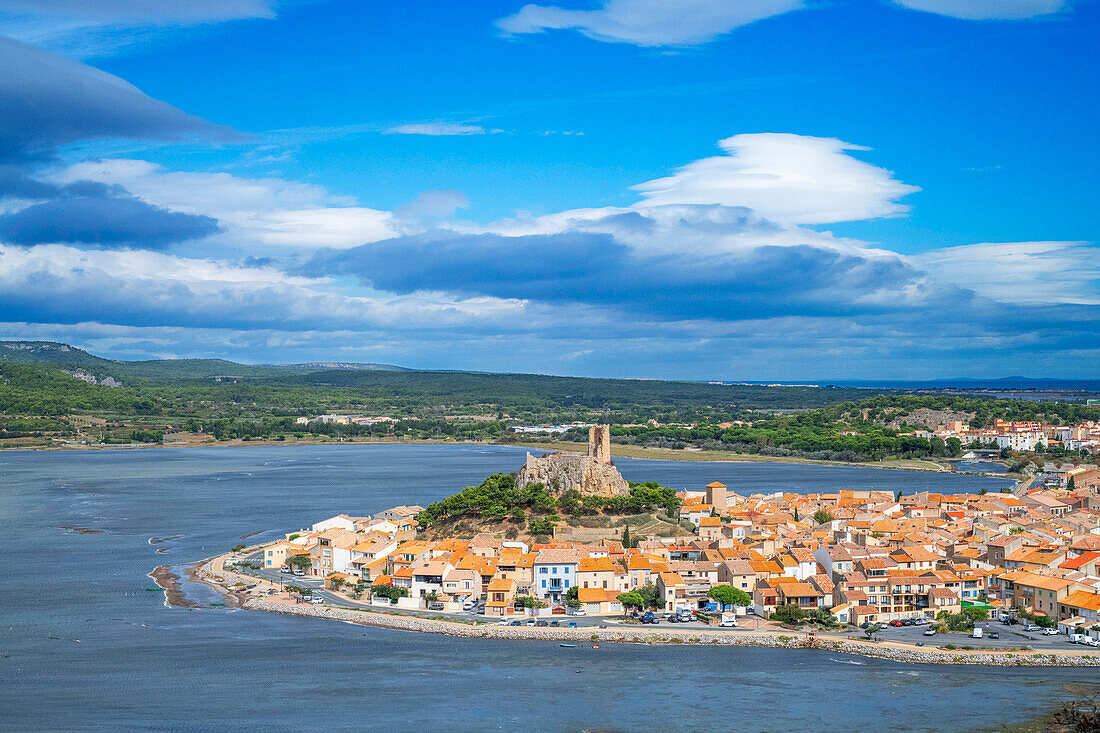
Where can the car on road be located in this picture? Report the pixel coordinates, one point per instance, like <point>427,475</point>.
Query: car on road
<point>1049,632</point>
<point>1032,627</point>
<point>930,632</point>
<point>284,569</point>
<point>299,571</point>
<point>316,599</point>
<point>994,635</point>
<point>572,624</point>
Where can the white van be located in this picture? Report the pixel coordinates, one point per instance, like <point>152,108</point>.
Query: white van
<point>729,620</point>
<point>976,633</point>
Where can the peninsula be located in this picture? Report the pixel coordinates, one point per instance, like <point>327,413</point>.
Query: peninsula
<point>580,553</point>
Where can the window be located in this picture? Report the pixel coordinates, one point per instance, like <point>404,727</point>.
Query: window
<point>542,571</point>
<point>554,570</point>
<point>544,582</point>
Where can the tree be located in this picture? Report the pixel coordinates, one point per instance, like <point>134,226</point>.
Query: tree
<point>954,447</point>
<point>796,514</point>
<point>626,537</point>
<point>629,599</point>
<point>727,595</point>
<point>303,562</point>
<point>238,548</point>
<point>431,597</point>
<point>1071,485</point>
<point>976,615</point>
<point>337,582</point>
<point>821,516</point>
<point>390,591</point>
<point>788,614</point>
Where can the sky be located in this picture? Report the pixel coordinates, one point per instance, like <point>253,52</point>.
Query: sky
<point>789,190</point>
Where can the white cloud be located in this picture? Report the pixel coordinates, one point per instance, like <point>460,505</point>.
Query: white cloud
<point>148,288</point>
<point>85,28</point>
<point>649,22</point>
<point>433,204</point>
<point>987,9</point>
<point>439,129</point>
<point>1028,273</point>
<point>253,211</point>
<point>787,178</point>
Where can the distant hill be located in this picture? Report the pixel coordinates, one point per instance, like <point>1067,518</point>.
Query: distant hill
<point>69,357</point>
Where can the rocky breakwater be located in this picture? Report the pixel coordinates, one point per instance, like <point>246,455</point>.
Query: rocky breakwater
<point>631,635</point>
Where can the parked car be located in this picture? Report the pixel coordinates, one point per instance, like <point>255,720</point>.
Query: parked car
<point>514,622</point>
<point>578,612</point>
<point>469,606</point>
<point>555,623</point>
<point>299,571</point>
<point>435,607</point>
<point>1049,632</point>
<point>284,569</point>
<point>540,622</point>
<point>502,622</point>
<point>896,623</point>
<point>1032,627</point>
<point>908,622</point>
<point>572,624</point>
<point>920,622</point>
<point>316,599</point>
<point>531,622</point>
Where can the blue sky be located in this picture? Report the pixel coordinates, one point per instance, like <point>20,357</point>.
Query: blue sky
<point>733,189</point>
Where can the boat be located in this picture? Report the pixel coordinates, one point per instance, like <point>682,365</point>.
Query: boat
<point>155,589</point>
<point>217,604</point>
<point>567,646</point>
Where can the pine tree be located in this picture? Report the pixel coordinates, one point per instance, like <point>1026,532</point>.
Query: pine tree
<point>626,537</point>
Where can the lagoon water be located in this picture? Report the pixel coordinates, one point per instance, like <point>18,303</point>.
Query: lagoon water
<point>85,647</point>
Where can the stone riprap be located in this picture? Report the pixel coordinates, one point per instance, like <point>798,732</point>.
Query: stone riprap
<point>639,636</point>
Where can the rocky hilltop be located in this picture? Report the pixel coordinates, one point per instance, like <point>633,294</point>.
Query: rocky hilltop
<point>590,475</point>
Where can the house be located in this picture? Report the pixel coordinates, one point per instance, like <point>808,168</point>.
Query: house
<point>501,597</point>
<point>803,595</point>
<point>427,578</point>
<point>599,601</point>
<point>672,591</point>
<point>597,572</point>
<point>555,571</point>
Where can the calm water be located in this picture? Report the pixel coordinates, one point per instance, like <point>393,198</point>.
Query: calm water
<point>140,665</point>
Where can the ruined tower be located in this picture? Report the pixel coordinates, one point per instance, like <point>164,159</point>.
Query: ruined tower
<point>599,443</point>
<point>593,474</point>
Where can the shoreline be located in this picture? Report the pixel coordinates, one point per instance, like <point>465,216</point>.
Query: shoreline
<point>211,572</point>
<point>640,453</point>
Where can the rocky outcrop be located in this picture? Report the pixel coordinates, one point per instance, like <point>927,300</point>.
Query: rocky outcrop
<point>561,472</point>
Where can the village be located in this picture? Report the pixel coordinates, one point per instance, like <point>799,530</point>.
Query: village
<point>1029,560</point>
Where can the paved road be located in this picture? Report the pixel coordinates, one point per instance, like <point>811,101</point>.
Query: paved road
<point>314,585</point>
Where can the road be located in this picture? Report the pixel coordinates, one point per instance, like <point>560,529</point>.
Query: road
<point>314,586</point>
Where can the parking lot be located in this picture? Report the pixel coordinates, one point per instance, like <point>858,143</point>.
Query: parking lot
<point>1010,636</point>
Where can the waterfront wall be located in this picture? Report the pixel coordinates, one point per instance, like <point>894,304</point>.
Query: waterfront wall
<point>638,636</point>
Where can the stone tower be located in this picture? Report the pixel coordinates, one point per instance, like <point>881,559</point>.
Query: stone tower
<point>716,496</point>
<point>599,443</point>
